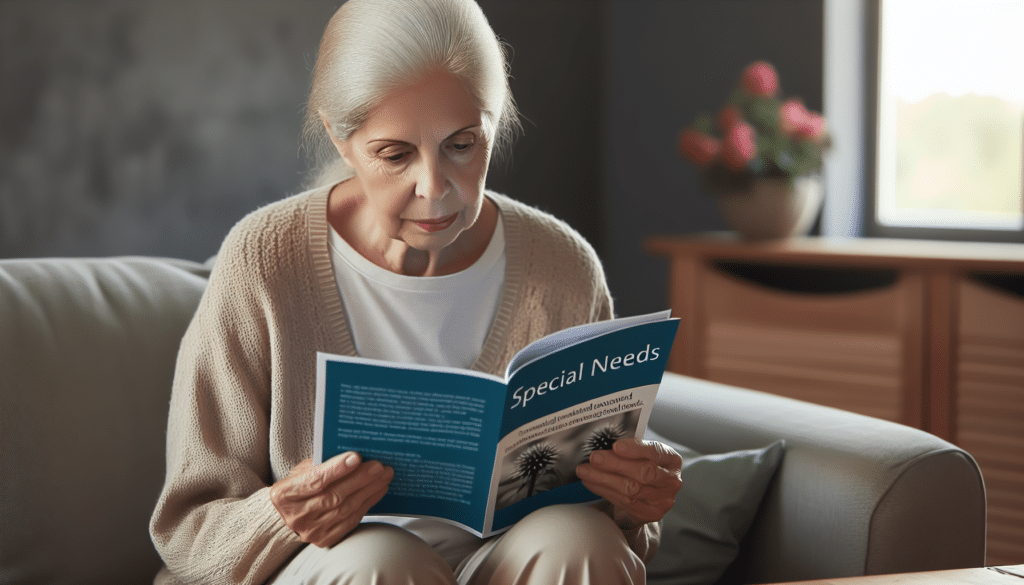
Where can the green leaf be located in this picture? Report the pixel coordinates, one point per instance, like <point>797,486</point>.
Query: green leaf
<point>764,114</point>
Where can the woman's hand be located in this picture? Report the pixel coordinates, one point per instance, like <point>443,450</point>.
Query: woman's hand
<point>639,478</point>
<point>323,503</point>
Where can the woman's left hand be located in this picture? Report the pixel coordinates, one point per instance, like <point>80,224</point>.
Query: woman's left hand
<point>639,478</point>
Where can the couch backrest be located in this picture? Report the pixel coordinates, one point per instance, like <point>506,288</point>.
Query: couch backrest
<point>87,353</point>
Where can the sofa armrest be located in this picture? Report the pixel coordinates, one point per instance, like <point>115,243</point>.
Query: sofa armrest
<point>854,495</point>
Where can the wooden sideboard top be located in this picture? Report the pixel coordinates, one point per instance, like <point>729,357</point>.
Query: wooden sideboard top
<point>981,256</point>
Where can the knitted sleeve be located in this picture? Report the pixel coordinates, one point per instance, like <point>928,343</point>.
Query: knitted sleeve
<point>214,521</point>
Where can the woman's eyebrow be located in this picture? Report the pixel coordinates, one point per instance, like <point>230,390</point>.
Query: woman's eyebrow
<point>461,130</point>
<point>388,140</point>
<point>397,141</point>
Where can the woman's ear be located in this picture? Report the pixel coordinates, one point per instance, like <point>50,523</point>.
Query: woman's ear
<point>341,146</point>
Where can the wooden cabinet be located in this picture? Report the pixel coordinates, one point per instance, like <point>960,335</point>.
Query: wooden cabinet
<point>929,334</point>
<point>988,412</point>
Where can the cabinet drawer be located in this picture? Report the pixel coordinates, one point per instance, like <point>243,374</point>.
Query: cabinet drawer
<point>858,351</point>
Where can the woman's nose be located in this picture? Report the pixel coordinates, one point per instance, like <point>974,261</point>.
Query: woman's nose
<point>432,182</point>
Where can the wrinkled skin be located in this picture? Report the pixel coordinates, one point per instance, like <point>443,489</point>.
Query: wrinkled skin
<point>640,479</point>
<point>323,503</point>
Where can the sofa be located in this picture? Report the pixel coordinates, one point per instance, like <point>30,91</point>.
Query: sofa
<point>87,348</point>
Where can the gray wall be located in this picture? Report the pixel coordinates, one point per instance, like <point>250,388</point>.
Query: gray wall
<point>151,126</point>
<point>147,127</point>
<point>665,62</point>
<point>556,51</point>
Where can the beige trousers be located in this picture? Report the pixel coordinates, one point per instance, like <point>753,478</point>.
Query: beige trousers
<point>556,545</point>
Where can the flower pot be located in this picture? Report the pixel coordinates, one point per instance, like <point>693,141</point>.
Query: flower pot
<point>773,208</point>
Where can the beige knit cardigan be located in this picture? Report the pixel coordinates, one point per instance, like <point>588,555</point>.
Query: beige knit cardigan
<point>242,403</point>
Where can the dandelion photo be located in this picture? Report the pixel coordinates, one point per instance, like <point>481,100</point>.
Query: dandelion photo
<point>603,438</point>
<point>550,462</point>
<point>539,459</point>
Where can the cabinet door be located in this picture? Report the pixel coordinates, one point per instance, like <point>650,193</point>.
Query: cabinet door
<point>850,347</point>
<point>989,417</point>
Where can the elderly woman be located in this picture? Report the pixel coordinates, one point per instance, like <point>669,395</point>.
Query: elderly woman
<point>399,253</point>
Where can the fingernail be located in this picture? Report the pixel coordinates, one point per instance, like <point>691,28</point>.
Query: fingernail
<point>376,468</point>
<point>351,461</point>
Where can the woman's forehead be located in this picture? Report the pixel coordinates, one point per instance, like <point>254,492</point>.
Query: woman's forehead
<point>436,107</point>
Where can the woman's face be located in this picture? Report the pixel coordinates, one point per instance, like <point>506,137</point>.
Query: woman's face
<point>420,161</point>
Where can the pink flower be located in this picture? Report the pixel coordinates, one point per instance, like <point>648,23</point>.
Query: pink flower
<point>813,127</point>
<point>698,147</point>
<point>795,120</point>
<point>729,116</point>
<point>738,146</point>
<point>760,79</point>
<point>792,116</point>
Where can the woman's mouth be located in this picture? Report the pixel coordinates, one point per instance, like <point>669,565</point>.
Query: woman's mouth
<point>436,225</point>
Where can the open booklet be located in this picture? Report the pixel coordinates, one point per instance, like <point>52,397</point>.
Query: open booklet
<point>482,452</point>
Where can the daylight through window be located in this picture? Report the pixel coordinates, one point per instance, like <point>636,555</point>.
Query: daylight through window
<point>951,114</point>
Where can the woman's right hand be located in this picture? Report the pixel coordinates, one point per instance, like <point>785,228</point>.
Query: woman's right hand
<point>323,503</point>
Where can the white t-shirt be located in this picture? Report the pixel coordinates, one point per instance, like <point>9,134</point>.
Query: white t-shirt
<point>426,320</point>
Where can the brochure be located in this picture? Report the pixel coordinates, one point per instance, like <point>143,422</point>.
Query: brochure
<point>479,451</point>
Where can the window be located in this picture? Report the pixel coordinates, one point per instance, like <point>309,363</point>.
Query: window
<point>950,119</point>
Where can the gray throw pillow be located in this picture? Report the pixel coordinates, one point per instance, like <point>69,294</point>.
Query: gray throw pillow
<point>714,509</point>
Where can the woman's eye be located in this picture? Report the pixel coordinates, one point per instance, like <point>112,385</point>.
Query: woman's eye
<point>461,146</point>
<point>394,157</point>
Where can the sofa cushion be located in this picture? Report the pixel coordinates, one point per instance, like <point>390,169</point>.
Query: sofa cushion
<point>87,352</point>
<point>719,499</point>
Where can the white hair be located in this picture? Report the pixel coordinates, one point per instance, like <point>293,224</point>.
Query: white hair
<point>370,48</point>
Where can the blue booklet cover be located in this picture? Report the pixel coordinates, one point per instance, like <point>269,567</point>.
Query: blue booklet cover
<point>479,451</point>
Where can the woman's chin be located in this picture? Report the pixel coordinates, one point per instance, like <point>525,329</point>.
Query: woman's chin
<point>428,244</point>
